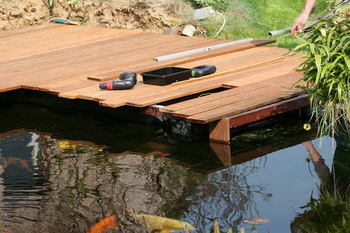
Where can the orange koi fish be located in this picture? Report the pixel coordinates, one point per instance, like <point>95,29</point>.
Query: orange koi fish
<point>104,225</point>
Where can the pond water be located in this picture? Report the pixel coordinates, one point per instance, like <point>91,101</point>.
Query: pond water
<point>64,173</point>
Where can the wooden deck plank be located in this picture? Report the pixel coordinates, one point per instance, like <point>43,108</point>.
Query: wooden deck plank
<point>241,94</point>
<point>61,39</point>
<point>260,74</point>
<point>138,68</point>
<point>101,49</point>
<point>15,33</point>
<point>186,105</point>
<point>143,61</point>
<point>249,104</point>
<point>54,65</point>
<point>285,66</point>
<point>98,53</point>
<point>59,59</point>
<point>241,58</point>
<point>9,87</point>
<point>238,60</point>
<point>119,95</point>
<point>54,38</point>
<point>75,88</point>
<point>96,94</point>
<point>64,85</point>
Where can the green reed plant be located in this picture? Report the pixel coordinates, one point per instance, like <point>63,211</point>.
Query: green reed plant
<point>330,213</point>
<point>326,70</point>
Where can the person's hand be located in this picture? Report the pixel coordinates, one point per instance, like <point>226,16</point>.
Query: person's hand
<point>307,144</point>
<point>299,23</point>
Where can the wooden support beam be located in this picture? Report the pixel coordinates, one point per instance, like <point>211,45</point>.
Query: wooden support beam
<point>219,131</point>
<point>268,111</point>
<point>223,152</point>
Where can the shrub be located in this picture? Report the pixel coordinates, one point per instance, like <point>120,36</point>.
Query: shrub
<point>326,70</point>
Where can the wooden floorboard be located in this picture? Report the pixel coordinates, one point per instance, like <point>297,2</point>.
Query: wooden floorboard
<point>236,61</point>
<point>182,60</point>
<point>234,79</point>
<point>249,104</point>
<point>179,108</point>
<point>240,95</point>
<point>71,61</point>
<point>53,38</point>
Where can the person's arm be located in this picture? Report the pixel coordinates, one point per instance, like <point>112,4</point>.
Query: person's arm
<point>299,23</point>
<point>321,168</point>
<point>314,155</point>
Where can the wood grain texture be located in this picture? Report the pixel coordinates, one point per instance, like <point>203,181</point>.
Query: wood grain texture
<point>70,61</point>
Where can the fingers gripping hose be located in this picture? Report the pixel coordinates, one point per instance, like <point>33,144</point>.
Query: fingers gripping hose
<point>127,81</point>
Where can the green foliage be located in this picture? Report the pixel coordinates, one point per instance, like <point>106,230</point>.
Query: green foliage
<point>255,18</point>
<point>220,5</point>
<point>326,70</point>
<point>330,213</point>
<point>72,2</point>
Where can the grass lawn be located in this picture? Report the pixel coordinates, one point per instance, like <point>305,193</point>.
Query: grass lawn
<point>257,18</point>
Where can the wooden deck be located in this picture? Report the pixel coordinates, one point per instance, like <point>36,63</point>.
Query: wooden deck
<point>255,80</point>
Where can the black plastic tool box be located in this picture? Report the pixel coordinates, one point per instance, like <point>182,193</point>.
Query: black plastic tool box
<point>166,75</point>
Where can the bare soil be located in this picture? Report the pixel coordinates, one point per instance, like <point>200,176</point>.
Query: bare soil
<point>145,15</point>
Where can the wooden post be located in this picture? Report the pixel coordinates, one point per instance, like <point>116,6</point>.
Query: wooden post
<point>220,131</point>
<point>223,152</point>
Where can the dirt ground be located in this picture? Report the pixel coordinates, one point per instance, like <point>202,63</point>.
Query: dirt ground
<point>145,15</point>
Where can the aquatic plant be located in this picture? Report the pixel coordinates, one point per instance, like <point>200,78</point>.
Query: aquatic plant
<point>326,70</point>
<point>330,213</point>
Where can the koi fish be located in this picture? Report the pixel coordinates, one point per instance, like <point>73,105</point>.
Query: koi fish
<point>216,227</point>
<point>160,224</point>
<point>104,225</point>
<point>255,221</point>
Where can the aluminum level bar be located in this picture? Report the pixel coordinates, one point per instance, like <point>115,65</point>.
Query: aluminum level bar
<point>180,54</point>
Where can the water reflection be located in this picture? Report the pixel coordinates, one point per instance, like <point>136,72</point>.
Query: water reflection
<point>87,170</point>
<point>225,196</point>
<point>55,185</point>
<point>82,184</point>
<point>331,210</point>
<point>23,179</point>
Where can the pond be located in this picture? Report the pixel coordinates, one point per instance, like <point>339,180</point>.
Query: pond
<point>64,173</point>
